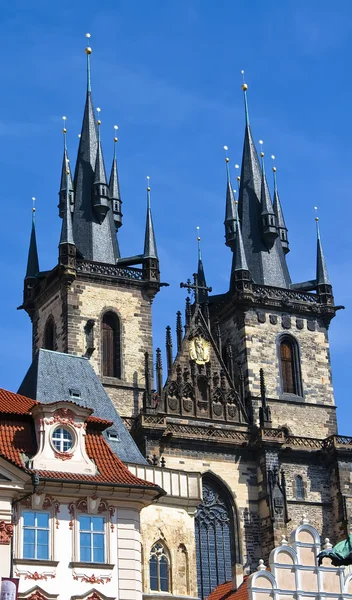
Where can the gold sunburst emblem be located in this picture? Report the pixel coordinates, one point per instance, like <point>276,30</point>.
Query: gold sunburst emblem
<point>199,350</point>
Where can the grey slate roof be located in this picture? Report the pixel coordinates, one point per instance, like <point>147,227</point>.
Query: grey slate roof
<point>266,267</point>
<point>63,182</point>
<point>99,172</point>
<point>230,215</point>
<point>55,376</point>
<point>114,185</point>
<point>150,250</point>
<point>94,240</point>
<point>239,256</point>
<point>66,236</point>
<point>33,261</point>
<point>203,295</point>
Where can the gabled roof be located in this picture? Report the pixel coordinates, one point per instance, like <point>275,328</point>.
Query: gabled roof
<point>18,444</point>
<point>55,376</point>
<point>224,591</point>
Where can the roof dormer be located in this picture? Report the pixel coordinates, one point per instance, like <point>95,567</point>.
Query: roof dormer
<point>61,433</point>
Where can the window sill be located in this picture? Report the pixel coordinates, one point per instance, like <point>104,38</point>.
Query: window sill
<point>292,397</point>
<point>94,565</point>
<point>35,561</point>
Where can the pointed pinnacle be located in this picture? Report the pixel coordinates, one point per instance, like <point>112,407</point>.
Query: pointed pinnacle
<point>150,250</point>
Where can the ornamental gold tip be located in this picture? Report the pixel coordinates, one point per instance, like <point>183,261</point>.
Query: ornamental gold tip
<point>317,219</point>
<point>262,154</point>
<point>227,159</point>
<point>148,189</point>
<point>274,169</point>
<point>244,87</point>
<point>88,50</point>
<point>116,139</point>
<point>98,122</point>
<point>198,238</point>
<point>238,178</point>
<point>64,130</point>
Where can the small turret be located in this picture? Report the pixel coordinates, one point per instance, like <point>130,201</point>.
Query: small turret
<point>114,188</point>
<point>268,218</point>
<point>66,180</point>
<point>101,200</point>
<point>230,216</point>
<point>282,229</point>
<point>32,261</point>
<point>240,275</point>
<point>324,287</point>
<point>150,255</point>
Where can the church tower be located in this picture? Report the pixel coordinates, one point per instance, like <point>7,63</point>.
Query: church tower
<point>94,302</point>
<point>248,398</point>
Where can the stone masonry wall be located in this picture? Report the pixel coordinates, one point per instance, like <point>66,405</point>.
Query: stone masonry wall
<point>254,337</point>
<point>51,307</point>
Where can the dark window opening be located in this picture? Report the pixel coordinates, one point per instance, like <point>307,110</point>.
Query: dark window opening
<point>159,572</point>
<point>216,537</point>
<point>203,388</point>
<point>49,334</point>
<point>111,345</point>
<point>290,367</point>
<point>299,488</point>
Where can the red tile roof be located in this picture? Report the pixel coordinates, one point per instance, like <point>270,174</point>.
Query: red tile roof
<point>15,403</point>
<point>17,441</point>
<point>224,591</point>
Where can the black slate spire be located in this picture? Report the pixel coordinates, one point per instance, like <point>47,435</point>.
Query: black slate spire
<point>230,215</point>
<point>150,250</point>
<point>322,271</point>
<point>66,236</point>
<point>267,265</point>
<point>269,226</point>
<point>114,188</point>
<point>281,226</point>
<point>33,261</point>
<point>203,295</point>
<point>95,237</point>
<point>66,180</point>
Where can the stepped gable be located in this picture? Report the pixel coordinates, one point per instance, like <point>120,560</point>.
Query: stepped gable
<point>199,384</point>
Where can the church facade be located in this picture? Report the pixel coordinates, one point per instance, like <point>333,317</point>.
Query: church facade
<point>246,405</point>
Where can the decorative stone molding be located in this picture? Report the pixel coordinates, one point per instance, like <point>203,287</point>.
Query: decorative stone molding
<point>91,578</point>
<point>36,576</point>
<point>6,532</point>
<point>64,416</point>
<point>92,504</point>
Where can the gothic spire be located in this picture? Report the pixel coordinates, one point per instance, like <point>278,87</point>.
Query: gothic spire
<point>66,236</point>
<point>269,228</point>
<point>267,265</point>
<point>239,261</point>
<point>282,229</point>
<point>114,188</point>
<point>150,250</point>
<point>94,232</point>
<point>203,292</point>
<point>33,261</point>
<point>230,216</point>
<point>66,181</point>
<point>322,271</point>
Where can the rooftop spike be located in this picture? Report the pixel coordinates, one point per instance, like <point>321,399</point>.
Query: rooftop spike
<point>101,201</point>
<point>279,214</point>
<point>230,217</point>
<point>66,236</point>
<point>66,182</point>
<point>114,187</point>
<point>202,284</point>
<point>150,250</point>
<point>32,262</point>
<point>245,88</point>
<point>88,53</point>
<point>269,227</point>
<point>322,272</point>
<point>240,260</point>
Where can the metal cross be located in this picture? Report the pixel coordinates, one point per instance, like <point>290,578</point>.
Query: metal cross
<point>195,287</point>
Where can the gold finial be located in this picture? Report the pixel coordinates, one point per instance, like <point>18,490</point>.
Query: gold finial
<point>244,85</point>
<point>261,145</point>
<point>98,120</point>
<point>273,158</point>
<point>226,158</point>
<point>115,138</point>
<point>316,214</point>
<point>33,204</point>
<point>88,49</point>
<point>198,234</point>
<point>238,177</point>
<point>64,127</point>
<point>148,183</point>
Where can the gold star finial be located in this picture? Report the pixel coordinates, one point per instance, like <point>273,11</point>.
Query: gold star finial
<point>316,214</point>
<point>148,183</point>
<point>98,120</point>
<point>244,85</point>
<point>88,48</point>
<point>115,138</point>
<point>261,146</point>
<point>226,157</point>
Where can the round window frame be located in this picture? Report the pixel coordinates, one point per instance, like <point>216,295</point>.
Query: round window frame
<point>73,437</point>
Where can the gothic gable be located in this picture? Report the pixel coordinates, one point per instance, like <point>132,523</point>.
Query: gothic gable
<point>199,384</point>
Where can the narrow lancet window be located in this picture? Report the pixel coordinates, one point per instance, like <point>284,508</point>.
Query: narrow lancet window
<point>49,334</point>
<point>290,367</point>
<point>159,569</point>
<point>299,488</point>
<point>111,345</point>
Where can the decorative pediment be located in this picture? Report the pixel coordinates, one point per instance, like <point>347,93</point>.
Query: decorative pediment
<point>199,383</point>
<point>93,595</point>
<point>37,593</point>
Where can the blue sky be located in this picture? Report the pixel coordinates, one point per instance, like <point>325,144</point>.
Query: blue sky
<point>168,73</point>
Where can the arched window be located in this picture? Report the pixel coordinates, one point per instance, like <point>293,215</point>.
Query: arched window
<point>215,537</point>
<point>290,366</point>
<point>111,346</point>
<point>49,334</point>
<point>159,569</point>
<point>299,488</point>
